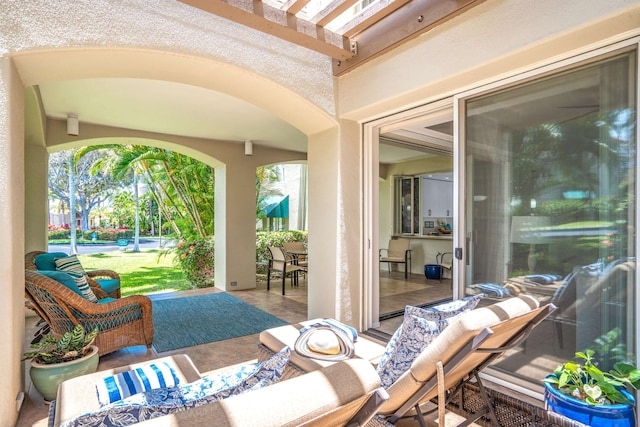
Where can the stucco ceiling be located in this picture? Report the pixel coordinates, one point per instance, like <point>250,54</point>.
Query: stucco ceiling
<point>168,108</point>
<point>178,109</point>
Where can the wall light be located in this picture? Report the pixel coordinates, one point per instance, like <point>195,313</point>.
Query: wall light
<point>73,125</point>
<point>248,148</point>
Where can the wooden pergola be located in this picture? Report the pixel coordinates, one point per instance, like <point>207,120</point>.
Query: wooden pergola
<point>349,31</point>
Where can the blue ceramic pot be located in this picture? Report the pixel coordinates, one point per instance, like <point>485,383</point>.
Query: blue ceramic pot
<point>618,415</point>
<point>432,271</point>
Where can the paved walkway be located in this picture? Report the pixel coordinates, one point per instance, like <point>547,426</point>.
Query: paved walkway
<point>144,243</point>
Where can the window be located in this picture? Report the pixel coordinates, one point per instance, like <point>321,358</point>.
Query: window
<point>550,208</point>
<point>407,205</point>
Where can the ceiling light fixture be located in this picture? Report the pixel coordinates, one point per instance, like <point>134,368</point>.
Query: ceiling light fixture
<point>248,148</point>
<point>73,125</point>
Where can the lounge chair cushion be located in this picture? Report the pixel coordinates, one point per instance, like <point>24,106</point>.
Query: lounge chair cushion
<point>163,401</point>
<point>109,285</point>
<point>422,326</point>
<point>47,261</point>
<point>64,279</point>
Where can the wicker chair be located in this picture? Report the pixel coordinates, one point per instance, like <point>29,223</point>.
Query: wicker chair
<point>122,323</point>
<point>94,276</point>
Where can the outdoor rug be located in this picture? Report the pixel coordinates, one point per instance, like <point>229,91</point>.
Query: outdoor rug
<point>188,321</point>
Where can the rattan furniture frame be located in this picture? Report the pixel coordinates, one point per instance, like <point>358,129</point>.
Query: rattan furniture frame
<point>121,323</point>
<point>29,264</point>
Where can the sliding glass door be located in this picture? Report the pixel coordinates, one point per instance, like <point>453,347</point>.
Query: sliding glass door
<point>550,207</point>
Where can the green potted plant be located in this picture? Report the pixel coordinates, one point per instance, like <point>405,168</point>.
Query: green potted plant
<point>583,392</point>
<point>55,360</point>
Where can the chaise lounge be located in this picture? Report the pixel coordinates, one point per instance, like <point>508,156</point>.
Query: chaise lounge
<point>346,393</point>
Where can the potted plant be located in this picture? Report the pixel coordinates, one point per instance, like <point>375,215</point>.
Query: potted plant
<point>583,392</point>
<point>58,359</point>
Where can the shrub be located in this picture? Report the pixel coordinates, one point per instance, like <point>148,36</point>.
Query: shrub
<point>196,259</point>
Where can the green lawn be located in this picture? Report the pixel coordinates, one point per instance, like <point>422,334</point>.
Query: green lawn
<point>144,272</point>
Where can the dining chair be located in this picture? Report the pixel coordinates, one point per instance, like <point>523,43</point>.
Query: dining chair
<point>279,263</point>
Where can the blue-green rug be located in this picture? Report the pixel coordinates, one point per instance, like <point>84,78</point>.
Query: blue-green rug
<point>188,321</point>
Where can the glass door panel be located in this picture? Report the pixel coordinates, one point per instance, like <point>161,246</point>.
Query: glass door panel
<point>550,205</point>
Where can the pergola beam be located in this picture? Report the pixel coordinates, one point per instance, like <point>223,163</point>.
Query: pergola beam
<point>371,15</point>
<point>294,6</point>
<point>278,23</point>
<point>409,21</point>
<point>332,11</point>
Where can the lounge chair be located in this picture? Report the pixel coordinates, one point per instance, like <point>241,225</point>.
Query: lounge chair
<point>104,283</point>
<point>121,322</point>
<point>471,342</point>
<point>344,394</point>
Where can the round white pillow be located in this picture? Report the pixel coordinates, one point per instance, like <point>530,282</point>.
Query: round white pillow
<point>324,341</point>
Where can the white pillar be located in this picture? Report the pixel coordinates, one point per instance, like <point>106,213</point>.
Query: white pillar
<point>12,250</point>
<point>335,279</point>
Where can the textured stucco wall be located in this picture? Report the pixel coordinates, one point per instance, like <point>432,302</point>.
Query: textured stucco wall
<point>494,39</point>
<point>166,25</point>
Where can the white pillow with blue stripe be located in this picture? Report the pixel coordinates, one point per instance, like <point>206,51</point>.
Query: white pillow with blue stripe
<point>83,286</point>
<point>119,386</point>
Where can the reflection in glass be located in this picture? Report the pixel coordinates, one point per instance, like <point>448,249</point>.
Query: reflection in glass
<point>554,162</point>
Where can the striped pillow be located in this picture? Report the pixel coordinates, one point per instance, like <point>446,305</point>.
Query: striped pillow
<point>125,384</point>
<point>69,263</point>
<point>83,286</point>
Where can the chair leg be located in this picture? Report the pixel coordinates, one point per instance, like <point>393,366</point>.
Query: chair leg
<point>268,279</point>
<point>284,277</point>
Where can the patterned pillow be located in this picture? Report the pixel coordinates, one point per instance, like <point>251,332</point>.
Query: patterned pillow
<point>439,314</point>
<point>119,386</point>
<point>162,401</point>
<point>68,264</point>
<point>83,286</point>
<point>415,335</point>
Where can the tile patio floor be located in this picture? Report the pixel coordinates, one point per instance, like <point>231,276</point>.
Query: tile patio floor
<point>395,290</point>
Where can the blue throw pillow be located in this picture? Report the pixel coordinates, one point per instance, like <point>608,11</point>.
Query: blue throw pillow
<point>149,377</point>
<point>63,278</point>
<point>47,261</point>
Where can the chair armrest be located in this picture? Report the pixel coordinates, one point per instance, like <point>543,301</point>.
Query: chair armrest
<point>97,290</point>
<point>102,273</point>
